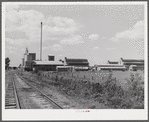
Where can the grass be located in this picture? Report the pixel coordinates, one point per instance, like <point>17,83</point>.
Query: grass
<point>119,90</point>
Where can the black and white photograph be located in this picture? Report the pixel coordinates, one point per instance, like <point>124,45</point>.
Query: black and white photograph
<point>74,61</point>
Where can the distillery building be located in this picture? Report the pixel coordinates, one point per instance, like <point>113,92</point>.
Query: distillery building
<point>79,64</point>
<point>49,65</point>
<point>138,64</point>
<point>27,59</point>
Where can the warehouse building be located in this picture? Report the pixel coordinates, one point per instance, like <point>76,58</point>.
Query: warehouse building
<point>27,59</point>
<point>46,65</point>
<point>129,63</point>
<point>123,64</point>
<point>79,64</point>
<point>49,65</point>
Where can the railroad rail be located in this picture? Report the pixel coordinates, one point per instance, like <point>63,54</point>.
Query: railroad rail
<point>11,96</point>
<point>40,92</point>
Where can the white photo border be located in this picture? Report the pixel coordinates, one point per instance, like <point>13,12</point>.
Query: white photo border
<point>75,114</point>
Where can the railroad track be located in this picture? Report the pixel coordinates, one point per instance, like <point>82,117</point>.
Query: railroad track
<point>11,97</point>
<point>42,98</point>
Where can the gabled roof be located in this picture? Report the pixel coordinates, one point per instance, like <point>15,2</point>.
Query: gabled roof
<point>132,60</point>
<point>133,63</point>
<point>112,62</point>
<point>76,60</point>
<point>48,63</point>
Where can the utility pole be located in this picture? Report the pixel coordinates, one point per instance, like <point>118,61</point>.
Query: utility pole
<point>41,44</point>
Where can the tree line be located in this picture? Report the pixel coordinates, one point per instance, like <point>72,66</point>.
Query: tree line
<point>7,63</point>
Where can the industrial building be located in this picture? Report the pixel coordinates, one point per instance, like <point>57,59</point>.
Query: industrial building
<point>139,64</point>
<point>46,65</point>
<point>29,62</point>
<point>122,64</point>
<point>76,62</point>
<point>27,59</point>
<point>49,65</point>
<point>79,64</point>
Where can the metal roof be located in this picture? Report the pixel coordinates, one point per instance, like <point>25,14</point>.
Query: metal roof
<point>113,62</point>
<point>132,60</point>
<point>48,63</point>
<point>133,63</point>
<point>76,60</point>
<point>71,61</point>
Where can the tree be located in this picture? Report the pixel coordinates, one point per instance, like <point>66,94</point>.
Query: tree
<point>7,61</point>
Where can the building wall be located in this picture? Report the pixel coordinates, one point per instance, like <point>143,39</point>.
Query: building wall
<point>31,57</point>
<point>25,58</point>
<point>45,67</point>
<point>22,62</point>
<point>127,63</point>
<point>140,67</point>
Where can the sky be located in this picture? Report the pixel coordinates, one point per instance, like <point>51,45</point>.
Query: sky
<point>95,32</point>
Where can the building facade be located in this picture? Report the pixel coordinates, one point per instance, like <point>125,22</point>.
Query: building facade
<point>45,65</point>
<point>128,62</point>
<point>49,65</point>
<point>79,64</point>
<point>27,60</point>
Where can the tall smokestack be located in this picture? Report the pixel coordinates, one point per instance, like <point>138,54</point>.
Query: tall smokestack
<point>41,44</point>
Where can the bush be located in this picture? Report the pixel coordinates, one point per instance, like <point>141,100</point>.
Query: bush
<point>108,92</point>
<point>36,70</point>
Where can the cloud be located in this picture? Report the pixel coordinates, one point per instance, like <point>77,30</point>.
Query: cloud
<point>25,21</point>
<point>95,48</point>
<point>45,48</point>
<point>64,25</point>
<point>30,22</point>
<point>112,48</point>
<point>57,47</point>
<point>93,36</point>
<point>13,45</point>
<point>72,40</point>
<point>134,33</point>
<point>15,42</point>
<point>11,7</point>
<point>10,50</point>
<point>103,38</point>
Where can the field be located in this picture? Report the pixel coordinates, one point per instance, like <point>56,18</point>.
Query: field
<point>86,75</point>
<point>116,89</point>
<point>98,76</point>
